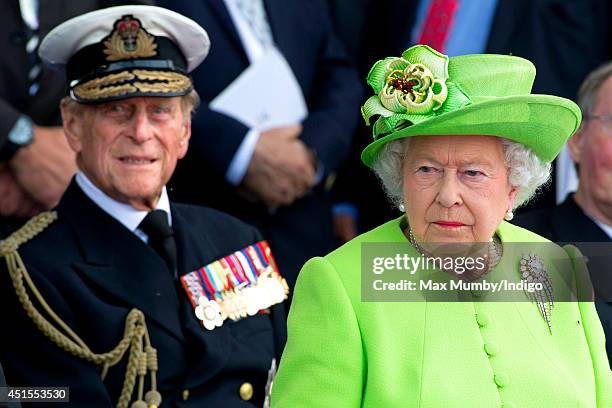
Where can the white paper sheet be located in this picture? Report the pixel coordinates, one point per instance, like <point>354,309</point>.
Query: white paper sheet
<point>264,96</point>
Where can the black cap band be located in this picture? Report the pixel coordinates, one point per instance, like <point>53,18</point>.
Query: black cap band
<point>92,61</point>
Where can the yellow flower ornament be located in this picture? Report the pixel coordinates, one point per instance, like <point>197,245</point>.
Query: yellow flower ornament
<point>410,89</point>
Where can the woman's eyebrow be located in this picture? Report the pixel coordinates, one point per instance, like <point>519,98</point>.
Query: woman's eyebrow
<point>475,160</point>
<point>464,161</point>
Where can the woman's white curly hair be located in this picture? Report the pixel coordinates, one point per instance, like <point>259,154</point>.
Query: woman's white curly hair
<point>526,171</point>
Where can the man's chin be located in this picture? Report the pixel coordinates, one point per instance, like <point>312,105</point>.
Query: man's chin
<point>141,197</point>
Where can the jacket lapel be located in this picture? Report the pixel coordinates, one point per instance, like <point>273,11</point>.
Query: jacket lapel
<point>211,349</point>
<point>278,22</point>
<point>227,24</point>
<point>117,261</point>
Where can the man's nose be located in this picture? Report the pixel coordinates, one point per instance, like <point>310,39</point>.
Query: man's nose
<point>142,130</point>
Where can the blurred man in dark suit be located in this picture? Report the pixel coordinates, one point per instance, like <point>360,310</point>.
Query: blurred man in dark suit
<point>586,216</point>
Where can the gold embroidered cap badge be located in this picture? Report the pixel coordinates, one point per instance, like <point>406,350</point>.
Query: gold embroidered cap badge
<point>129,40</point>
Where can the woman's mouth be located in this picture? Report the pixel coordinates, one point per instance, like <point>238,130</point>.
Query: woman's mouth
<point>449,224</point>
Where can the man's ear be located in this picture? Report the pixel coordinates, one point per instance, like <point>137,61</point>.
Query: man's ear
<point>184,137</point>
<point>72,120</point>
<point>576,142</point>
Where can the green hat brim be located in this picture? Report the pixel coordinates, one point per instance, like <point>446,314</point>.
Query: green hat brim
<point>543,123</point>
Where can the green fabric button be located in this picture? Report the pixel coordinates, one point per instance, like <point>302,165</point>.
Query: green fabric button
<point>501,380</point>
<point>491,349</point>
<point>482,319</point>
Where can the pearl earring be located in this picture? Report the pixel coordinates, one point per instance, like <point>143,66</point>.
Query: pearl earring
<point>402,208</point>
<point>509,215</point>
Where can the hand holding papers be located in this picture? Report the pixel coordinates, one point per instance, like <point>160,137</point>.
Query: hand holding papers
<point>281,170</point>
<point>267,98</point>
<point>264,96</point>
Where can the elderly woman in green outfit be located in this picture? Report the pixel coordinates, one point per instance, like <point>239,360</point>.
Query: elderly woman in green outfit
<point>459,144</point>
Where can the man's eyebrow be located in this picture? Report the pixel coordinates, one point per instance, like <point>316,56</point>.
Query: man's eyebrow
<point>163,104</point>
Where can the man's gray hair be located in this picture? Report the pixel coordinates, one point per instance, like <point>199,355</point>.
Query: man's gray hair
<point>587,94</point>
<point>526,171</point>
<point>191,101</point>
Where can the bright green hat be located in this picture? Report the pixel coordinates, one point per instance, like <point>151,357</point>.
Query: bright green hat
<point>427,93</point>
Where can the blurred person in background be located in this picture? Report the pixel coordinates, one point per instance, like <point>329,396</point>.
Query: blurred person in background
<point>586,216</point>
<point>36,163</point>
<point>548,33</point>
<point>272,178</point>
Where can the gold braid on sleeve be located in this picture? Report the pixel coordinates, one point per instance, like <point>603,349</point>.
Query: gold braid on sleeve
<point>142,356</point>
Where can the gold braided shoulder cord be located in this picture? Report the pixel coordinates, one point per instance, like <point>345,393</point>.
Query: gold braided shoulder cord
<point>140,360</point>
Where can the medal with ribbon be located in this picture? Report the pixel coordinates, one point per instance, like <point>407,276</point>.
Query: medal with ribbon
<point>238,285</point>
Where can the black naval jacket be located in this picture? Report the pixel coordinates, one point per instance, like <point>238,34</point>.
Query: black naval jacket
<point>92,271</point>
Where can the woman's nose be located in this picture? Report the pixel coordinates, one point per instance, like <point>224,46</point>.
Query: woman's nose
<point>449,193</point>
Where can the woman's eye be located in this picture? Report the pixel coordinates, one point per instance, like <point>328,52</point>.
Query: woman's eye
<point>474,173</point>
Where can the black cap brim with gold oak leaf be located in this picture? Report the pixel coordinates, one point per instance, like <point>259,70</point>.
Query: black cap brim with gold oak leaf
<point>128,51</point>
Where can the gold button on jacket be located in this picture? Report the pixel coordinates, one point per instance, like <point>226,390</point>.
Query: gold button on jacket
<point>246,391</point>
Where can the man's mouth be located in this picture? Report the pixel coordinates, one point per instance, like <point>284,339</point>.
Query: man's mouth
<point>136,160</point>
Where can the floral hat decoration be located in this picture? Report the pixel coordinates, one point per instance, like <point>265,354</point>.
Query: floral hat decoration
<point>424,92</point>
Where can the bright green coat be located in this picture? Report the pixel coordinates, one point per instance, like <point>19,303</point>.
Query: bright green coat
<point>342,352</point>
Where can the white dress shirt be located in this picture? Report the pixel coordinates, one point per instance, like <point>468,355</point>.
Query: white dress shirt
<point>254,50</point>
<point>127,215</point>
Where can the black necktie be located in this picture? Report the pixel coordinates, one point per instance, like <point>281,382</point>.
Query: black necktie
<point>161,237</point>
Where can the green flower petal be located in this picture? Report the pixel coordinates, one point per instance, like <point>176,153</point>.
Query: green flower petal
<point>431,94</point>
<point>386,125</point>
<point>422,105</point>
<point>373,107</point>
<point>456,99</point>
<point>432,59</point>
<point>393,100</point>
<point>440,93</point>
<point>378,74</point>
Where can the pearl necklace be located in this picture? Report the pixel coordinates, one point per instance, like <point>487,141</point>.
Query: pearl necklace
<point>494,253</point>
